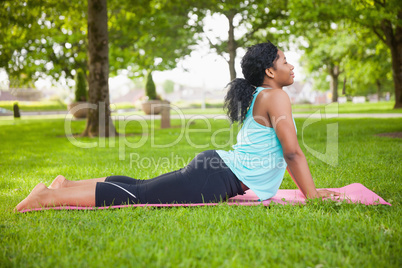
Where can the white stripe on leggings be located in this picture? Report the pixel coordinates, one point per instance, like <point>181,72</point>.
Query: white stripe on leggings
<point>118,186</point>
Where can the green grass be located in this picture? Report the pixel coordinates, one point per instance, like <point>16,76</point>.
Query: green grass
<point>344,108</point>
<point>122,105</point>
<point>319,234</point>
<point>176,110</point>
<point>349,107</point>
<point>379,107</point>
<point>199,111</point>
<point>30,106</point>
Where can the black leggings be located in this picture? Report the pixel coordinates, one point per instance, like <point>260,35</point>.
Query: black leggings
<point>205,179</point>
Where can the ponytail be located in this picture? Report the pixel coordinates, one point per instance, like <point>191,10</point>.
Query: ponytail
<point>257,59</point>
<point>238,99</point>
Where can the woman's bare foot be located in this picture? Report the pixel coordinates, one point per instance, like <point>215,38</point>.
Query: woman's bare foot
<point>59,182</point>
<point>33,200</point>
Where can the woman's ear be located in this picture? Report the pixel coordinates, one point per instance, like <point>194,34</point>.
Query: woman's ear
<point>269,72</point>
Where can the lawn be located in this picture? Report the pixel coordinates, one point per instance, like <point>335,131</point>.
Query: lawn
<point>319,234</point>
<point>343,108</point>
<point>368,107</point>
<point>31,106</point>
<point>349,107</point>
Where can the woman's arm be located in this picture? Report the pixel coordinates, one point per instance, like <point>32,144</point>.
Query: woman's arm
<point>280,114</point>
<point>320,193</point>
<point>301,175</point>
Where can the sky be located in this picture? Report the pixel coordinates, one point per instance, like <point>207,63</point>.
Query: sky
<point>204,67</point>
<point>210,70</point>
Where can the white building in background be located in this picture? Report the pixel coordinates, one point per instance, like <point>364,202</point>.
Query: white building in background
<point>301,92</point>
<point>195,95</point>
<point>21,94</point>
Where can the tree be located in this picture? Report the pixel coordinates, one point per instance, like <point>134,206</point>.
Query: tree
<point>326,53</point>
<point>16,26</point>
<point>368,67</point>
<point>151,35</point>
<point>254,16</point>
<point>382,17</point>
<point>348,53</point>
<point>42,40</point>
<point>99,121</point>
<point>56,44</point>
<point>52,41</point>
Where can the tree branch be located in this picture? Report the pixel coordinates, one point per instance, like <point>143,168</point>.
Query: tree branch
<point>379,35</point>
<point>386,26</point>
<point>380,3</point>
<point>216,47</point>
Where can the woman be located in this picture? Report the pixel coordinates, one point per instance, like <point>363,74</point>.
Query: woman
<point>266,145</point>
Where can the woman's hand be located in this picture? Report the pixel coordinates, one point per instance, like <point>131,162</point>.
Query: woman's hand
<point>327,193</point>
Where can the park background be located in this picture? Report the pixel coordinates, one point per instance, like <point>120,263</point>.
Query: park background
<point>347,55</point>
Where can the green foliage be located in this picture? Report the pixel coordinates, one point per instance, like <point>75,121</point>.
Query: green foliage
<point>168,86</point>
<point>81,91</point>
<point>42,39</point>
<point>368,68</point>
<point>260,20</point>
<point>150,34</point>
<point>327,53</point>
<point>150,88</point>
<point>258,17</point>
<point>46,39</point>
<point>330,38</point>
<point>318,234</point>
<point>366,65</point>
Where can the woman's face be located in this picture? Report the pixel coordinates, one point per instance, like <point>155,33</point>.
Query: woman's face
<point>283,72</point>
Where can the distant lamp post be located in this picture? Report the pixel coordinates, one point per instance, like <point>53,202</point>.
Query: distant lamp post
<point>16,110</point>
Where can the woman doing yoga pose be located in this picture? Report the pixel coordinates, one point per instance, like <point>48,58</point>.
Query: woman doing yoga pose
<point>266,146</point>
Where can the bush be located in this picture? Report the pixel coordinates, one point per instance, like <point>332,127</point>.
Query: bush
<point>81,92</point>
<point>168,86</point>
<point>150,87</point>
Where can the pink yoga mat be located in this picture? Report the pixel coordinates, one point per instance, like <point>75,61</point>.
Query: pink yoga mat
<point>353,193</point>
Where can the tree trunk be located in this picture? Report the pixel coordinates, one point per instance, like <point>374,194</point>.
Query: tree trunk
<point>378,83</point>
<point>334,73</point>
<point>344,86</point>
<point>232,47</point>
<point>396,53</point>
<point>394,42</point>
<point>99,121</point>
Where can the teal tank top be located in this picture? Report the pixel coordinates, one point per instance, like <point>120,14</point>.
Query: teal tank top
<point>257,158</point>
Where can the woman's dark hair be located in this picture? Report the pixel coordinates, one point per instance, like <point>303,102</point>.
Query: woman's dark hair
<point>257,59</point>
